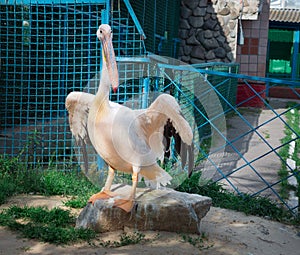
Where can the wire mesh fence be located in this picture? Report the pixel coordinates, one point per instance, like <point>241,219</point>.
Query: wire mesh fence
<point>47,51</point>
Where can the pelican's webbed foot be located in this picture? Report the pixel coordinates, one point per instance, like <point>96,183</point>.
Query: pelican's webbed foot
<point>125,204</point>
<point>105,194</point>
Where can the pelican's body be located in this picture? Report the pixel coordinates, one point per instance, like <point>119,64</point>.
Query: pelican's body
<point>128,140</point>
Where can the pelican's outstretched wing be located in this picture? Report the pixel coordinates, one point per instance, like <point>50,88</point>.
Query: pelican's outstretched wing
<point>164,117</point>
<point>78,105</point>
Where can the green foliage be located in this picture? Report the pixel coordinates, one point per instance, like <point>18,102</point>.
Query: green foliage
<point>198,241</point>
<point>7,189</point>
<point>125,239</point>
<point>16,179</point>
<point>293,121</point>
<point>195,185</point>
<point>56,216</point>
<point>54,226</point>
<point>260,206</point>
<point>65,183</point>
<point>13,178</point>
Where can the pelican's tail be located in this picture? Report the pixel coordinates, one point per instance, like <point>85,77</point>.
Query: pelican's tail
<point>155,176</point>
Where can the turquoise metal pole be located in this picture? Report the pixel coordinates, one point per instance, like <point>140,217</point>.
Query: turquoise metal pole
<point>295,75</point>
<point>104,20</point>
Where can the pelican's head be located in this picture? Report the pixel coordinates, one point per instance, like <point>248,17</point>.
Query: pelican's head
<point>104,34</point>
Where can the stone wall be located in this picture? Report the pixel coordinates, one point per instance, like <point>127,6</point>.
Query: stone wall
<point>209,28</point>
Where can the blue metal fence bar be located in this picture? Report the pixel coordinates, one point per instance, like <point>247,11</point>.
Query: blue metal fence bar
<point>135,19</point>
<point>215,64</point>
<point>142,60</point>
<point>29,2</point>
<point>296,42</point>
<point>295,91</point>
<point>229,75</point>
<point>104,20</point>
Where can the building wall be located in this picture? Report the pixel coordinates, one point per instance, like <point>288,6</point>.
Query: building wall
<point>252,56</point>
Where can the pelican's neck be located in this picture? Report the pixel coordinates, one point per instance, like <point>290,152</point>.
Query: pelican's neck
<point>102,95</point>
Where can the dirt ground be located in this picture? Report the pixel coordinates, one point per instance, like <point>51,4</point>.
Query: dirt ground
<point>227,232</point>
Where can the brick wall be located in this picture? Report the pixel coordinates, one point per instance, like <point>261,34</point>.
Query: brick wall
<point>253,54</point>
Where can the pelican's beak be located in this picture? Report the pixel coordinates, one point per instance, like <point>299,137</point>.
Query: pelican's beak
<point>110,61</point>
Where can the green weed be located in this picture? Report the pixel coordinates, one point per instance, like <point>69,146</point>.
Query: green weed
<point>54,226</point>
<point>15,179</point>
<point>198,241</point>
<point>293,128</point>
<point>259,206</point>
<point>125,239</point>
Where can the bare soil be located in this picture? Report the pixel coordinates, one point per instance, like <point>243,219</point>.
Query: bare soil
<point>226,232</point>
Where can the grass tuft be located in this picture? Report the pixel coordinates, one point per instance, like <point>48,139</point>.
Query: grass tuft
<point>125,239</point>
<point>54,226</point>
<point>259,206</point>
<point>15,180</point>
<point>199,242</point>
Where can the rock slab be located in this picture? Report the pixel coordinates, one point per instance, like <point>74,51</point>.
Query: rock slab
<point>161,210</point>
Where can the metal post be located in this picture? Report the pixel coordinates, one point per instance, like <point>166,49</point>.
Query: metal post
<point>104,20</point>
<point>145,93</point>
<point>295,54</point>
<point>62,88</point>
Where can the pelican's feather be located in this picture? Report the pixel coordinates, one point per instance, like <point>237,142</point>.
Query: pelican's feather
<point>165,112</point>
<point>78,105</point>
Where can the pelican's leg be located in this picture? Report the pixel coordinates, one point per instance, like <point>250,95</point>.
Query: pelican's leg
<point>127,204</point>
<point>105,192</point>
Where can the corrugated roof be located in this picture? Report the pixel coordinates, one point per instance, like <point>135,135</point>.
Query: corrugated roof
<point>285,15</point>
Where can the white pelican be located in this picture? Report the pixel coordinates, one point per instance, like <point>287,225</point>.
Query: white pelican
<point>128,140</point>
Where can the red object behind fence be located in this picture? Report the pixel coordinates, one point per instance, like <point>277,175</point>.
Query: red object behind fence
<point>244,92</point>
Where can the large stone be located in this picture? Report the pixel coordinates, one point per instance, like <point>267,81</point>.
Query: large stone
<point>196,22</point>
<point>162,210</point>
<point>198,11</point>
<point>210,24</point>
<point>185,59</point>
<point>221,39</point>
<point>184,24</point>
<point>225,11</point>
<point>196,61</point>
<point>187,49</point>
<point>220,52</point>
<point>208,44</point>
<point>210,9</point>
<point>208,34</point>
<point>191,3</point>
<point>183,33</point>
<point>198,52</point>
<point>203,3</point>
<point>210,55</point>
<point>185,12</point>
<point>192,40</point>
